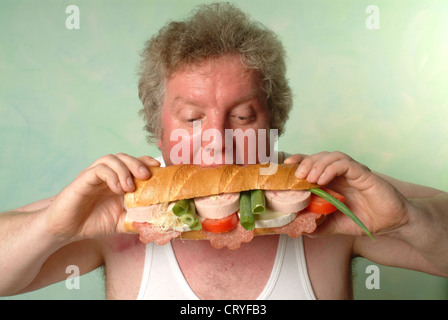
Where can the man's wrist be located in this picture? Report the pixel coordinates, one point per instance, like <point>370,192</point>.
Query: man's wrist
<point>48,228</point>
<point>425,230</point>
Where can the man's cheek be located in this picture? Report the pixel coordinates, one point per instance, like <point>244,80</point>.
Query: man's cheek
<point>180,145</point>
<point>184,146</point>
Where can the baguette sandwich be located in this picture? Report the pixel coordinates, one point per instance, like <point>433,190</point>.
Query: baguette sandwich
<point>227,204</point>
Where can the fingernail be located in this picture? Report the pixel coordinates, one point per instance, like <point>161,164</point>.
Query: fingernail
<point>143,170</point>
<point>321,179</point>
<point>300,173</point>
<point>130,182</point>
<point>312,175</point>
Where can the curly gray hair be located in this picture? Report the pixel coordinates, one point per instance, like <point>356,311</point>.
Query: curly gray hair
<point>214,30</point>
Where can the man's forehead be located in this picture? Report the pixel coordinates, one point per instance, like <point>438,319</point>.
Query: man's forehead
<point>206,65</point>
<point>225,79</point>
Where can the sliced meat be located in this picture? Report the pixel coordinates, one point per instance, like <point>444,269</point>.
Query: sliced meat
<point>149,233</point>
<point>142,214</point>
<point>305,222</point>
<point>232,239</point>
<point>287,201</point>
<point>219,206</point>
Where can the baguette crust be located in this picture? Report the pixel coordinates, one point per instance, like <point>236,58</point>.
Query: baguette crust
<point>188,181</point>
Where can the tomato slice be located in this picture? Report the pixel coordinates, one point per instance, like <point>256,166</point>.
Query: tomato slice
<point>321,206</point>
<point>220,225</point>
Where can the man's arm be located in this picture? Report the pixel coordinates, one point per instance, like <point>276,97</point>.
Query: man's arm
<point>409,222</point>
<point>32,257</point>
<point>39,241</point>
<point>421,244</point>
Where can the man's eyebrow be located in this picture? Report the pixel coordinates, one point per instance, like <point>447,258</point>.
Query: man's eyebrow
<point>249,96</point>
<point>183,100</point>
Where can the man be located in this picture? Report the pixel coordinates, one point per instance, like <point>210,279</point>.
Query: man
<point>222,70</point>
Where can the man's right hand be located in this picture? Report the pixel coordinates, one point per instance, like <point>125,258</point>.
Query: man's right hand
<point>93,204</point>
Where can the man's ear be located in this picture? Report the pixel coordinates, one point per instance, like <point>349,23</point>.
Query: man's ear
<point>159,139</point>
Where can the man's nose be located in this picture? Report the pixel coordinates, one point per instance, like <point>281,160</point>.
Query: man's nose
<point>213,131</point>
<point>214,142</point>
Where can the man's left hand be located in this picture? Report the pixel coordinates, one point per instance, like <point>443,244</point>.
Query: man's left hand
<point>380,206</point>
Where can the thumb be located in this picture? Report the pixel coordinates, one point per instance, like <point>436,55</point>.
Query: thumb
<point>326,227</point>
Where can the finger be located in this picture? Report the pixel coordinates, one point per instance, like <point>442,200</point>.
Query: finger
<point>326,228</point>
<point>335,169</point>
<point>95,176</point>
<point>295,158</point>
<point>319,168</point>
<point>137,166</point>
<point>149,161</point>
<point>350,169</point>
<point>307,164</point>
<point>122,166</point>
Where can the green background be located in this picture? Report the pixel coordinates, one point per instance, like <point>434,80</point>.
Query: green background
<point>68,97</point>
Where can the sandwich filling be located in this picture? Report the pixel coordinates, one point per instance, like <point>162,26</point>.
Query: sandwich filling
<point>275,209</point>
<point>225,219</point>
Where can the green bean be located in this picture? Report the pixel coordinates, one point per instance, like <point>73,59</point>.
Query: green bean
<point>341,207</point>
<point>258,202</point>
<point>181,207</point>
<point>188,219</point>
<point>191,220</point>
<point>186,211</point>
<point>247,219</point>
<point>196,225</point>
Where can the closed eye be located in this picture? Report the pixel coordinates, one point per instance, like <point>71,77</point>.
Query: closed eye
<point>241,119</point>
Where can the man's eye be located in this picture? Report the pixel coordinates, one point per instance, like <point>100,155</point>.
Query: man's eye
<point>242,119</point>
<point>191,120</point>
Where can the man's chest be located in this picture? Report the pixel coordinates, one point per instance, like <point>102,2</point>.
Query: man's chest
<point>226,274</point>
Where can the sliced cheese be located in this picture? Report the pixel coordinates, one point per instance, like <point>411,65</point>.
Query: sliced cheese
<point>273,219</point>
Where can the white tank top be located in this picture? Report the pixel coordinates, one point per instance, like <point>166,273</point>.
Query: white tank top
<point>163,279</point>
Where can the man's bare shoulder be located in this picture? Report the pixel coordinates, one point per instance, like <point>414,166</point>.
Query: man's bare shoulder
<point>120,243</point>
<point>124,257</point>
<point>329,266</point>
